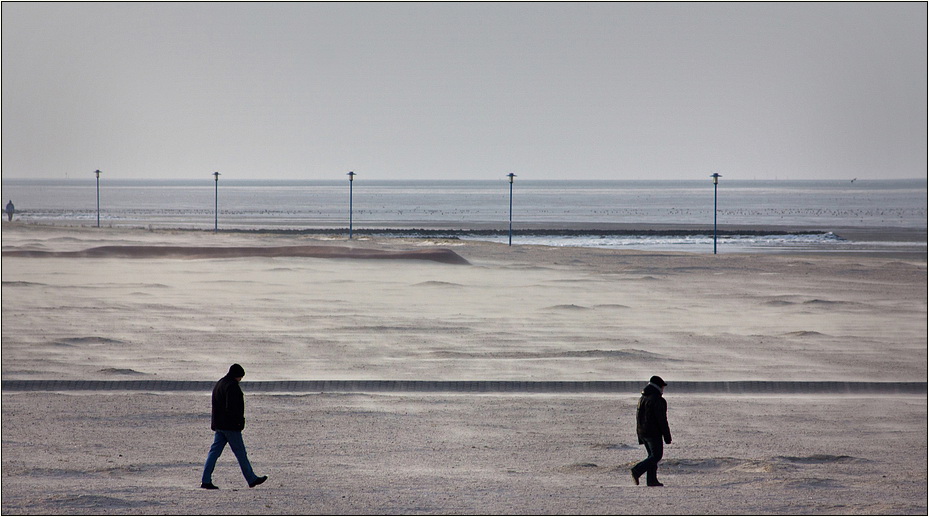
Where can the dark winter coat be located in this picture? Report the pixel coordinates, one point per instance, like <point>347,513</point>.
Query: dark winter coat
<point>228,405</point>
<point>651,419</point>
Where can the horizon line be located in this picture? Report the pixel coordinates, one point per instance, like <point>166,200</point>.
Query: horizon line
<point>449,180</point>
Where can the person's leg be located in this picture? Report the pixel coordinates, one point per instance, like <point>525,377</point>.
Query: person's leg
<point>649,466</point>
<point>219,443</point>
<point>238,448</point>
<point>655,449</point>
<point>643,466</point>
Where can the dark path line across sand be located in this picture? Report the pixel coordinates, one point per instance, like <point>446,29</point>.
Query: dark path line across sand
<point>744,387</point>
<point>209,252</point>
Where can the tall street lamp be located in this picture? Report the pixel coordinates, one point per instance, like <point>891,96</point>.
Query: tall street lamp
<point>715,177</point>
<point>511,176</point>
<point>97,173</point>
<point>216,203</point>
<point>351,180</point>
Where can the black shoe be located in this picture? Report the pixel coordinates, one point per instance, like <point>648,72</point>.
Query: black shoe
<point>209,486</point>
<point>258,481</point>
<point>635,478</point>
<point>656,483</point>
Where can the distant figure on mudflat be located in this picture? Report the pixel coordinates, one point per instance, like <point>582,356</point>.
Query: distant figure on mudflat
<point>10,209</point>
<point>228,420</point>
<point>651,425</point>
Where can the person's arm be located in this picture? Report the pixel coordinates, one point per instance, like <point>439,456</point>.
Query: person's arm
<point>236,406</point>
<point>663,421</point>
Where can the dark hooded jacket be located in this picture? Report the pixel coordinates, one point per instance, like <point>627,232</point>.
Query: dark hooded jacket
<point>651,419</point>
<point>228,403</point>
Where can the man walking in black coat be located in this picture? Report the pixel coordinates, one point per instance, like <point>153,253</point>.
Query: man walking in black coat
<point>228,421</point>
<point>651,425</point>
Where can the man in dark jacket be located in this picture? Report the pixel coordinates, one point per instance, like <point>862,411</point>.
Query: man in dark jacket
<point>651,425</point>
<point>228,421</point>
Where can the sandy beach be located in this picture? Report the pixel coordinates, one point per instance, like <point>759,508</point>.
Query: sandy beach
<point>408,309</point>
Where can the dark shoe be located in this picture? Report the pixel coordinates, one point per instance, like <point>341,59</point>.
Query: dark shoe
<point>258,481</point>
<point>656,483</point>
<point>209,486</point>
<point>635,478</point>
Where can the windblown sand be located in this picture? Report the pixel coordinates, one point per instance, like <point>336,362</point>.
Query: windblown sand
<point>511,313</point>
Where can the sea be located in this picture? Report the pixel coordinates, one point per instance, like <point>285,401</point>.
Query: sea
<point>736,215</point>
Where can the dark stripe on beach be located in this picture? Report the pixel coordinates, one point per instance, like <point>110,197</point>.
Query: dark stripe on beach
<point>209,252</point>
<point>335,386</point>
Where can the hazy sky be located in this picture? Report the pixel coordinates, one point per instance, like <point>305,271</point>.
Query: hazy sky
<point>465,90</point>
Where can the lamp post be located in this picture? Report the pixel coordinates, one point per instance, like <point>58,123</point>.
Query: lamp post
<point>97,173</point>
<point>715,177</point>
<point>351,180</point>
<point>216,203</point>
<point>511,176</point>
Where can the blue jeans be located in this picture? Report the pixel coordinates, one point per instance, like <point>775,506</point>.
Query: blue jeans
<point>234,439</point>
<point>649,466</point>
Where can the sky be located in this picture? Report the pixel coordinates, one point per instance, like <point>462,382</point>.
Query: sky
<point>459,91</point>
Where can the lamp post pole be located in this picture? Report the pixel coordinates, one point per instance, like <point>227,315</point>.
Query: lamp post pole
<point>216,203</point>
<point>511,176</point>
<point>351,181</point>
<point>97,173</point>
<point>715,177</point>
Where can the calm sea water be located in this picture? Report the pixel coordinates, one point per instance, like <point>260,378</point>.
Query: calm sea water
<point>484,204</point>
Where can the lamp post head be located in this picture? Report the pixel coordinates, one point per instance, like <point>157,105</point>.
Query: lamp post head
<point>351,176</point>
<point>716,177</point>
<point>97,172</point>
<point>511,176</point>
<point>216,176</point>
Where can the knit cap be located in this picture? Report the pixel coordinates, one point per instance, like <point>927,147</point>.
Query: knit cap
<point>236,371</point>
